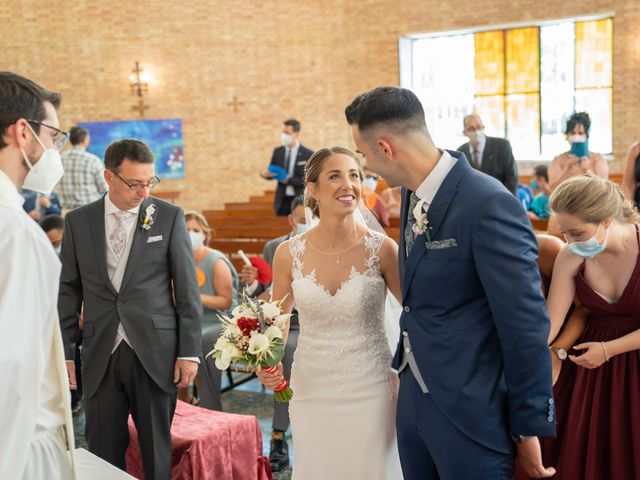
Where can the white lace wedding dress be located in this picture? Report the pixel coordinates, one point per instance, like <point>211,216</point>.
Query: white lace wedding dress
<point>343,406</point>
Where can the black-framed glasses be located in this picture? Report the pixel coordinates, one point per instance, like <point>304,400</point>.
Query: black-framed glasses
<point>151,184</point>
<point>59,139</point>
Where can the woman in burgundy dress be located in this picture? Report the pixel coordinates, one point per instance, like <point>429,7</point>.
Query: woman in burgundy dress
<point>601,265</point>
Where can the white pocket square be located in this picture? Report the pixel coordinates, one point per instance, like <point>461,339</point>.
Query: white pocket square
<point>304,162</point>
<point>441,244</point>
<point>157,238</point>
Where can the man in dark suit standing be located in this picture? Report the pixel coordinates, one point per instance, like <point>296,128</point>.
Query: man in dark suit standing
<point>127,259</point>
<point>490,155</point>
<point>475,369</point>
<point>292,156</point>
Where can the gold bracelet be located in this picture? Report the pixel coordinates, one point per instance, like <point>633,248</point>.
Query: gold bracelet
<point>604,348</point>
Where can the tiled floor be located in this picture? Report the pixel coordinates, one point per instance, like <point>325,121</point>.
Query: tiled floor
<point>247,399</point>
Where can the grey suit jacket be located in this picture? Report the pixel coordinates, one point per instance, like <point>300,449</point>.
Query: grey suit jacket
<point>497,162</point>
<point>158,302</point>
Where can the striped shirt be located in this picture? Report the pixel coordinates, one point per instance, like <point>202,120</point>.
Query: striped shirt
<point>83,181</point>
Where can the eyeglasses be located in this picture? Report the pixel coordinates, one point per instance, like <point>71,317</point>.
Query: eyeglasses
<point>59,139</point>
<point>151,184</point>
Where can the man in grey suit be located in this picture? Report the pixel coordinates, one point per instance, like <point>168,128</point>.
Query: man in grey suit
<point>490,155</point>
<point>279,452</point>
<point>127,259</point>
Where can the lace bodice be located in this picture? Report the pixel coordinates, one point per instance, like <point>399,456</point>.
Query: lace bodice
<point>342,334</point>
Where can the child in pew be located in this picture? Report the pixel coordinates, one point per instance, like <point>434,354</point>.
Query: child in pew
<point>539,208</point>
<point>218,282</point>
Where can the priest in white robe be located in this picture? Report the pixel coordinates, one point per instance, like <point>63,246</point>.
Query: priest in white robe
<point>34,397</point>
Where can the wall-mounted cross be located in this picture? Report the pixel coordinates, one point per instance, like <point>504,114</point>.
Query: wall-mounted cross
<point>141,107</point>
<point>235,103</point>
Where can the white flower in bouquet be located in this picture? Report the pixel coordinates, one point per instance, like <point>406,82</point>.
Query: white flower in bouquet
<point>281,321</point>
<point>270,310</point>
<point>242,310</point>
<point>273,332</point>
<point>223,360</point>
<point>258,344</point>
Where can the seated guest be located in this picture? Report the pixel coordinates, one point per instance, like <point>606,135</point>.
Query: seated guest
<point>53,226</point>
<point>218,282</point>
<point>279,453</point>
<point>490,155</point>
<point>567,165</point>
<point>392,198</point>
<point>37,205</point>
<point>372,200</point>
<point>525,195</point>
<point>631,177</point>
<point>601,264</point>
<point>539,208</point>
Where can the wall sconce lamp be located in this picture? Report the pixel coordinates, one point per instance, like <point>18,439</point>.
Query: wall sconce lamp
<point>139,83</point>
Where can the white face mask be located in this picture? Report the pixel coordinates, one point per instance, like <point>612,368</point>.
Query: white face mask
<point>301,228</point>
<point>476,136</point>
<point>286,139</point>
<point>575,138</point>
<point>197,240</point>
<point>370,183</point>
<point>46,173</point>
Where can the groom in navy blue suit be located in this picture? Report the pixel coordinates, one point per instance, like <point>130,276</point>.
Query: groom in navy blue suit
<point>475,369</point>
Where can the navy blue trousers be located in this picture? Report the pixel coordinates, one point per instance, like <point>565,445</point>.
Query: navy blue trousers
<point>432,448</point>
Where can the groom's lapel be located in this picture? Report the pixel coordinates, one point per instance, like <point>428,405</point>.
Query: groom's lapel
<point>435,216</point>
<point>402,249</point>
<point>139,240</point>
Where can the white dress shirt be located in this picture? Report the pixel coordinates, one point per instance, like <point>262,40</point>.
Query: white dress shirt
<point>292,154</point>
<point>479,148</point>
<point>33,397</point>
<point>429,187</point>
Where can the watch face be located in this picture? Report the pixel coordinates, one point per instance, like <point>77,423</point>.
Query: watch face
<point>562,353</point>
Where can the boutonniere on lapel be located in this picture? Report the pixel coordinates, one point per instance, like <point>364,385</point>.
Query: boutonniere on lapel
<point>146,219</point>
<point>422,222</point>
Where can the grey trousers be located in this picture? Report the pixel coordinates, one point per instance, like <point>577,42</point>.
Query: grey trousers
<point>281,410</point>
<point>127,387</point>
<point>210,377</point>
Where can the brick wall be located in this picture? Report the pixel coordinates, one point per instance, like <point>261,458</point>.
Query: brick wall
<point>304,59</point>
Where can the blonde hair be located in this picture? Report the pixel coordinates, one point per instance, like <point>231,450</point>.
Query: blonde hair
<point>592,199</point>
<point>202,221</point>
<point>313,170</point>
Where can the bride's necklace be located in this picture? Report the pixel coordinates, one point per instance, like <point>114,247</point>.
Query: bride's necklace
<point>337,255</point>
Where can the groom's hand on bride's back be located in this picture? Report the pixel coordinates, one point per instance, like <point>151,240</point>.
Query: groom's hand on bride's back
<point>270,380</point>
<point>529,456</point>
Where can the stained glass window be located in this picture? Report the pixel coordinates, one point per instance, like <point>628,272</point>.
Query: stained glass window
<point>523,82</point>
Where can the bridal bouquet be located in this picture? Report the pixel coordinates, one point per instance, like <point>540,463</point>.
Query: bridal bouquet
<point>253,336</point>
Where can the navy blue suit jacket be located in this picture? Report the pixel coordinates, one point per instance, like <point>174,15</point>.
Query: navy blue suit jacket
<point>475,313</point>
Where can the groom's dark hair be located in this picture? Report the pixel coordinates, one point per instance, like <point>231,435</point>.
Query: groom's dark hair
<point>392,107</point>
<point>128,148</point>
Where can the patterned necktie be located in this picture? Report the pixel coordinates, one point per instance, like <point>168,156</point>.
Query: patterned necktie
<point>475,159</point>
<point>287,159</point>
<point>118,237</point>
<point>409,234</point>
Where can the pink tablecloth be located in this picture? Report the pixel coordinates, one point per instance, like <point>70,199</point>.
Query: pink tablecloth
<point>208,445</point>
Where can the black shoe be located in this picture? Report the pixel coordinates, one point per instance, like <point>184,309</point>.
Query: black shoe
<point>279,455</point>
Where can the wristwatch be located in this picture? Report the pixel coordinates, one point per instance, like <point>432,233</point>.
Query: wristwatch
<point>560,352</point>
<point>521,438</point>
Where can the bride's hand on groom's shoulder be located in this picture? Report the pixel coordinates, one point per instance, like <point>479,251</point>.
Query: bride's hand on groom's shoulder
<point>270,380</point>
<point>529,455</point>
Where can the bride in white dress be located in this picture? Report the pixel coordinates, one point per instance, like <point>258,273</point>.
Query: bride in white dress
<point>337,275</point>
